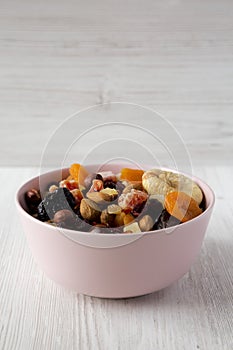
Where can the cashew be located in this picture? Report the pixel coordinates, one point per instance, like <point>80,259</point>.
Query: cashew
<point>146,223</point>
<point>159,182</point>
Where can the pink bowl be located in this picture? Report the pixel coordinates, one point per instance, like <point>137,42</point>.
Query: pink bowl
<point>113,265</point>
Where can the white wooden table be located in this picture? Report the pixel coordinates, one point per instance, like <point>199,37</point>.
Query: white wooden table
<point>57,57</point>
<point>194,313</point>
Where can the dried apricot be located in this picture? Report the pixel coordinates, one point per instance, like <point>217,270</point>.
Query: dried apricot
<point>78,173</point>
<point>131,174</point>
<point>181,206</point>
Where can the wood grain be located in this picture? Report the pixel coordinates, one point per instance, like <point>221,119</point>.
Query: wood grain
<point>174,56</point>
<point>194,313</point>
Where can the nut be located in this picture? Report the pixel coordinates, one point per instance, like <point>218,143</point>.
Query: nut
<point>146,223</point>
<point>135,185</point>
<point>95,196</point>
<point>32,199</point>
<point>63,215</point>
<point>109,194</point>
<point>89,210</point>
<point>106,218</point>
<point>132,228</point>
<point>162,182</point>
<point>114,209</point>
<point>52,188</point>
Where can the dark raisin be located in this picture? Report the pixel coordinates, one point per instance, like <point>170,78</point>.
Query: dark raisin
<point>99,177</point>
<point>138,209</point>
<point>109,184</point>
<point>60,199</point>
<point>32,198</point>
<point>166,220</point>
<point>152,208</point>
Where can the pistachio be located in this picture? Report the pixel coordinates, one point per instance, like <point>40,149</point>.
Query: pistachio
<point>146,223</point>
<point>63,215</point>
<point>109,194</point>
<point>132,228</point>
<point>89,210</point>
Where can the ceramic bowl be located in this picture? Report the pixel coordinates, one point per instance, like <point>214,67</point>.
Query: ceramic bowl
<point>113,265</point>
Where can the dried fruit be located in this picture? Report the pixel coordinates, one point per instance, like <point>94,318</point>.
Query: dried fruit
<point>128,218</point>
<point>96,186</point>
<point>166,220</point>
<point>119,219</point>
<point>55,201</point>
<point>146,223</point>
<point>162,182</point>
<point>131,174</point>
<point>182,206</point>
<point>78,173</point>
<point>70,184</point>
<point>89,210</point>
<point>77,194</point>
<point>153,208</point>
<point>32,198</point>
<point>128,201</point>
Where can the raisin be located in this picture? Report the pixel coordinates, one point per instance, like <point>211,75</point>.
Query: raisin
<point>32,198</point>
<point>109,184</point>
<point>55,201</point>
<point>99,177</point>
<point>166,220</point>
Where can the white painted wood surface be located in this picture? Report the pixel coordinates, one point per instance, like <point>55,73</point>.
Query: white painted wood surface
<point>57,57</point>
<point>194,313</point>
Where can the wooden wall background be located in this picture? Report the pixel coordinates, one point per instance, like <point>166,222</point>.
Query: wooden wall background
<point>57,57</point>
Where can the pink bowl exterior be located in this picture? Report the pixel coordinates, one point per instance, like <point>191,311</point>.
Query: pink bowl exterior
<point>145,265</point>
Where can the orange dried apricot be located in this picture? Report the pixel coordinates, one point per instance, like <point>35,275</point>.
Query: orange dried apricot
<point>181,206</point>
<point>131,174</point>
<point>78,173</point>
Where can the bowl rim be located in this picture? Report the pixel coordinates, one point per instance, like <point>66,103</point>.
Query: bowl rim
<point>196,179</point>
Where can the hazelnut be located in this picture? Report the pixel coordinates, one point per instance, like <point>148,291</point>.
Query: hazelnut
<point>106,218</point>
<point>63,215</point>
<point>146,223</point>
<point>32,197</point>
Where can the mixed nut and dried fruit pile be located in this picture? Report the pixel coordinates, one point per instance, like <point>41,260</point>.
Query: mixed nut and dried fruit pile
<point>129,202</point>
